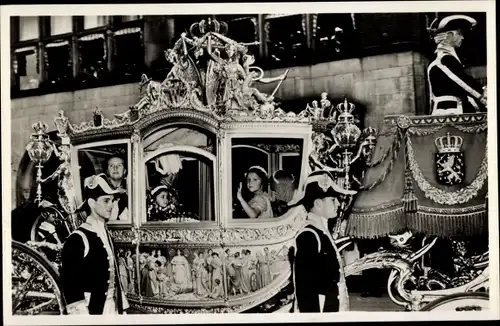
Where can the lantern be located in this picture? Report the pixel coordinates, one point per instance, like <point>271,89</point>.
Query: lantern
<point>345,132</point>
<point>39,150</point>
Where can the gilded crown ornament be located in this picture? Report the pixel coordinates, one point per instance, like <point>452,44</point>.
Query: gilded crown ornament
<point>206,26</point>
<point>449,144</point>
<point>450,161</point>
<point>39,149</point>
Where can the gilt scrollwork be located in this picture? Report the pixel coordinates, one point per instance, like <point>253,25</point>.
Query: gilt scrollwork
<point>170,310</point>
<point>180,235</point>
<point>123,235</point>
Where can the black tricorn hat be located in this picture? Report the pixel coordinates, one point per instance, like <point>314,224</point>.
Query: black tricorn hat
<point>452,23</point>
<point>319,184</point>
<point>96,186</point>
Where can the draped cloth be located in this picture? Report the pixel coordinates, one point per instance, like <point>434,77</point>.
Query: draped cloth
<point>437,209</point>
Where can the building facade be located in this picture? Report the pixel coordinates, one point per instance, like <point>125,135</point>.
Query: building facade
<point>80,63</point>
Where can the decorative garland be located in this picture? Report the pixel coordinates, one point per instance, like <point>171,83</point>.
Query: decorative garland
<point>418,131</point>
<point>442,197</point>
<point>395,154</point>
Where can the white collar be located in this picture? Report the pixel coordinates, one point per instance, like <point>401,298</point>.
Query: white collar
<point>318,221</point>
<point>97,225</point>
<point>448,48</point>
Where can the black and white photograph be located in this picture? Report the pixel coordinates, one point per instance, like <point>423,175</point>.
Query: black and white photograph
<point>225,159</point>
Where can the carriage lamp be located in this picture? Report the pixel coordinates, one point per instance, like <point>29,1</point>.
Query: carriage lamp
<point>39,150</point>
<point>345,132</point>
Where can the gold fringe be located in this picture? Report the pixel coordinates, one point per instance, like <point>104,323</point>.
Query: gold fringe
<point>470,224</point>
<point>375,225</point>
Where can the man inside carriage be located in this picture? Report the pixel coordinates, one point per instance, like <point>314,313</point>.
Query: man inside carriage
<point>116,172</point>
<point>89,278</point>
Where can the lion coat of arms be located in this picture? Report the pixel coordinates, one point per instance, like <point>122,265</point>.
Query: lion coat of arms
<point>450,165</point>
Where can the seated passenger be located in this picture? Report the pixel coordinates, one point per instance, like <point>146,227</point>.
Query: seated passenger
<point>116,172</point>
<point>163,204</point>
<point>283,189</point>
<point>259,203</point>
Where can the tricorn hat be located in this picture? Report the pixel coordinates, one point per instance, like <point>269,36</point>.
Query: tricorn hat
<point>452,23</point>
<point>96,186</point>
<point>319,184</point>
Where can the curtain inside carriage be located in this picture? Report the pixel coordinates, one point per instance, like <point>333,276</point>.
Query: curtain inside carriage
<point>206,208</point>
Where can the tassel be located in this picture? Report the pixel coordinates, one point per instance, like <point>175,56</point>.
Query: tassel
<point>409,199</point>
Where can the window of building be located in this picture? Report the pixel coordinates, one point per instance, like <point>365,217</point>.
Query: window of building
<point>94,21</point>
<point>59,62</point>
<point>93,57</point>
<point>129,51</point>
<point>182,24</point>
<point>29,28</point>
<point>286,38</point>
<point>333,35</point>
<point>243,29</point>
<point>26,67</point>
<point>61,25</point>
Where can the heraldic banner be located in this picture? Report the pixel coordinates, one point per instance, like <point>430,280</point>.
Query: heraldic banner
<point>449,173</point>
<point>428,175</point>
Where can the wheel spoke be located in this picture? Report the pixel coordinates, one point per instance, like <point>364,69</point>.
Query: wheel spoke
<point>18,299</point>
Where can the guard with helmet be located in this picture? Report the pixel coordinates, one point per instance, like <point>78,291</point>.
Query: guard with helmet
<point>318,272</point>
<point>89,278</point>
<point>452,91</point>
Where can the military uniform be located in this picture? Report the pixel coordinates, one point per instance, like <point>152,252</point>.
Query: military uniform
<point>90,283</point>
<point>319,279</point>
<point>89,276</point>
<point>318,268</point>
<point>450,88</point>
<point>452,91</point>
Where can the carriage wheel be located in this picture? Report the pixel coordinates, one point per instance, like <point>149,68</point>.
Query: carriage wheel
<point>35,288</point>
<point>468,301</point>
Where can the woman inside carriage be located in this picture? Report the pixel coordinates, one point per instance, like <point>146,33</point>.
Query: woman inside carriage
<point>254,200</point>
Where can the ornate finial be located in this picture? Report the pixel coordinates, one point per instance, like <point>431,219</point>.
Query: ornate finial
<point>370,132</point>
<point>346,108</point>
<point>449,144</point>
<point>62,124</point>
<point>40,128</point>
<point>206,26</point>
<point>97,117</point>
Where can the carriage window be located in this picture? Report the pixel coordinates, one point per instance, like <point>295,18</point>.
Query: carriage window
<point>113,161</point>
<point>265,174</point>
<point>180,187</point>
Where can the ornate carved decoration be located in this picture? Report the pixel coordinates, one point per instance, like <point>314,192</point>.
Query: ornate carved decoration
<point>180,235</point>
<point>123,235</point>
<point>442,197</point>
<point>452,211</point>
<point>170,310</point>
<point>423,121</point>
<point>278,148</point>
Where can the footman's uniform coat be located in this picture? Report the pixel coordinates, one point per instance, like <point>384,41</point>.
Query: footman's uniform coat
<point>318,270</point>
<point>89,278</point>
